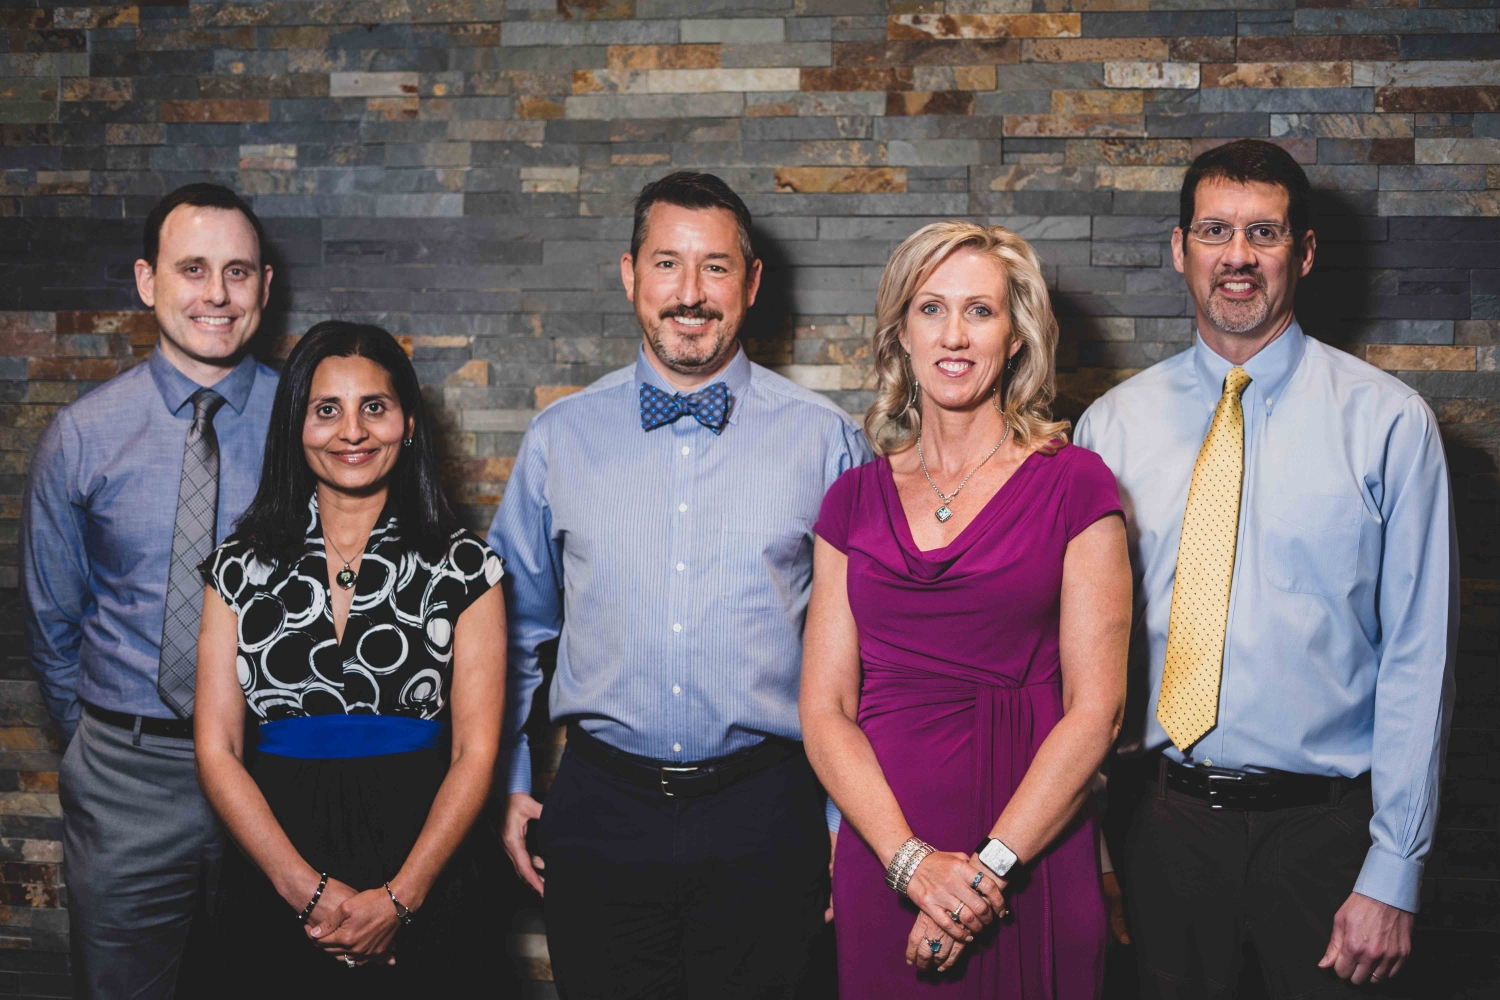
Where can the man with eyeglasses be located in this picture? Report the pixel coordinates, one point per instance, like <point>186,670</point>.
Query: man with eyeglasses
<point>1292,538</point>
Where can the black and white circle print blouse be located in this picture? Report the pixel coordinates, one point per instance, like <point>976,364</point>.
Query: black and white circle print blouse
<point>396,657</point>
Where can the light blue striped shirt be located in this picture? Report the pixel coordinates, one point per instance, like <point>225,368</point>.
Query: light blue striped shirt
<point>675,565</point>
<point>1343,614</point>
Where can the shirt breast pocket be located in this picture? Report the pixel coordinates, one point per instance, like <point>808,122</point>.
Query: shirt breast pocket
<point>764,570</point>
<point>1310,543</point>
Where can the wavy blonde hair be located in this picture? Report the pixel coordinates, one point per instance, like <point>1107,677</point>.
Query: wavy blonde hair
<point>893,422</point>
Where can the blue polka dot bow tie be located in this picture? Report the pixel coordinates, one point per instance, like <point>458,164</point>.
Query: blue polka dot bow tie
<point>709,406</point>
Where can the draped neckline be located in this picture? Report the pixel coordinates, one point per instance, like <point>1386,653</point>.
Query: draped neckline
<point>929,564</point>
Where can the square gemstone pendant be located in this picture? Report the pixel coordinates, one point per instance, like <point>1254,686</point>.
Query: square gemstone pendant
<point>943,513</point>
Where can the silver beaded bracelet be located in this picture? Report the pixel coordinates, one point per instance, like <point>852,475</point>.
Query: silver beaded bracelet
<point>904,865</point>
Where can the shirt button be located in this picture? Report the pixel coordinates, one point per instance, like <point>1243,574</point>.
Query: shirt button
<point>676,626</point>
<point>677,689</point>
<point>682,508</point>
<point>681,567</point>
<point>677,748</point>
<point>686,450</point>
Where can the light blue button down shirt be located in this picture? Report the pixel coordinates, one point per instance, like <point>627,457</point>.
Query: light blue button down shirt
<point>1343,615</point>
<point>674,564</point>
<point>97,523</point>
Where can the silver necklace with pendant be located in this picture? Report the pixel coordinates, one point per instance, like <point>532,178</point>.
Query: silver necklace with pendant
<point>943,513</point>
<point>346,576</point>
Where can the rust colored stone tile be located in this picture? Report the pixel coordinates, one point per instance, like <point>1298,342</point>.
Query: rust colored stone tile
<point>238,88</point>
<point>623,57</point>
<point>940,102</point>
<point>46,783</point>
<point>848,78</point>
<point>1202,48</point>
<point>841,180</point>
<point>1097,102</point>
<point>1302,150</point>
<point>1420,358</point>
<point>97,88</point>
<point>1316,48</point>
<point>638,159</point>
<point>472,374</point>
<point>596,10</point>
<point>1094,50</point>
<point>928,52</point>
<point>548,394</point>
<point>538,107</point>
<point>80,369</point>
<point>26,17</point>
<point>97,17</point>
<point>918,26</point>
<point>32,345</point>
<point>772,109</point>
<point>298,38</point>
<point>474,36</point>
<point>395,109</point>
<point>1435,99</point>
<point>1130,152</point>
<point>1296,74</point>
<point>62,182</point>
<point>1080,126</point>
<point>217,38</point>
<point>215,111</point>
<point>132,321</point>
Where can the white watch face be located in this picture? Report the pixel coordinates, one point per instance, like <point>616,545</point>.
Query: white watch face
<point>997,857</point>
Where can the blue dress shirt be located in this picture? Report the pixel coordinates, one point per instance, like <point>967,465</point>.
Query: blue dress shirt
<point>675,564</point>
<point>1343,614</point>
<point>97,523</point>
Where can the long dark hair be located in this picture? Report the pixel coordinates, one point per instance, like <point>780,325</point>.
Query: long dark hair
<point>276,521</point>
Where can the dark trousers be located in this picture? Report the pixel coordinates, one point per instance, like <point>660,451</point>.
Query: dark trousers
<point>1201,883</point>
<point>656,897</point>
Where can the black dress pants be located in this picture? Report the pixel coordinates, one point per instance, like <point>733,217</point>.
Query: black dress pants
<point>1200,883</point>
<point>665,898</point>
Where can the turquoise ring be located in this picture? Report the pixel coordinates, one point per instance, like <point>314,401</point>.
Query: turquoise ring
<point>934,944</point>
<point>978,878</point>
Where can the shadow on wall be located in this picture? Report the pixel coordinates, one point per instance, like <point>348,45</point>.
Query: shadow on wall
<point>768,332</point>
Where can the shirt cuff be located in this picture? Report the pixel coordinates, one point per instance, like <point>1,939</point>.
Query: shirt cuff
<point>1390,879</point>
<point>832,816</point>
<point>520,767</point>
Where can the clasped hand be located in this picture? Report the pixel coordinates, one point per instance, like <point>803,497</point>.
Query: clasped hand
<point>944,885</point>
<point>361,925</point>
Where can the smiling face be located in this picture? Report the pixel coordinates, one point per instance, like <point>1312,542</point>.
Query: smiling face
<point>958,331</point>
<point>353,431</point>
<point>208,288</point>
<point>691,287</point>
<point>1240,290</point>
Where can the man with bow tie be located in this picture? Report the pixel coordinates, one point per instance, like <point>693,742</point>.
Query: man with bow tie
<point>659,524</point>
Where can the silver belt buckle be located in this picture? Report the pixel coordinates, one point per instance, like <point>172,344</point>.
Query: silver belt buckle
<point>674,770</point>
<point>1213,792</point>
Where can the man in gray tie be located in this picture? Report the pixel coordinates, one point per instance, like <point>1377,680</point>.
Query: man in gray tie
<point>112,594</point>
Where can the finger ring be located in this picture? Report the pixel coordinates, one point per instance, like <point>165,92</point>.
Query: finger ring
<point>934,944</point>
<point>348,960</point>
<point>956,911</point>
<point>978,878</point>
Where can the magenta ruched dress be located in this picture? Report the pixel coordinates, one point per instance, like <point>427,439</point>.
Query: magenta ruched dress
<point>962,683</point>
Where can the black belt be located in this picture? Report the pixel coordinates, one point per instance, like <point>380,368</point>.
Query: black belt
<point>177,729</point>
<point>675,780</point>
<point>1255,790</point>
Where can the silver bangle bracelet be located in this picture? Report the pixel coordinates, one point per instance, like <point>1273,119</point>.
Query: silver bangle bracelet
<point>904,865</point>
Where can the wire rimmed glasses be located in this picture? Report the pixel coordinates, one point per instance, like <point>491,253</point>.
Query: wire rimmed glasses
<point>1262,234</point>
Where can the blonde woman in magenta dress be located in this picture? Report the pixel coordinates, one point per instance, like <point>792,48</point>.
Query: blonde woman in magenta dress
<point>964,667</point>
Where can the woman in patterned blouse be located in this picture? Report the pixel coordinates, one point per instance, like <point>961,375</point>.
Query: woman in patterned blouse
<point>361,627</point>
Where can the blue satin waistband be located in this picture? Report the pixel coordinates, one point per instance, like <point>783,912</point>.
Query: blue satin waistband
<point>325,737</point>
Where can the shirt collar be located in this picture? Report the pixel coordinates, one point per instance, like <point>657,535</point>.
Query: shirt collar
<point>736,375</point>
<point>1269,370</point>
<point>177,389</point>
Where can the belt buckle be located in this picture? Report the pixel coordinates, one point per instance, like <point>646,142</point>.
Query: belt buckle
<point>1212,791</point>
<point>664,772</point>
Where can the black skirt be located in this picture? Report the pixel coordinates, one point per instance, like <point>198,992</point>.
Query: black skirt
<point>356,819</point>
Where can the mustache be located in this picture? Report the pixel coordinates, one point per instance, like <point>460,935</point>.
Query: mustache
<point>691,312</point>
<point>1247,274</point>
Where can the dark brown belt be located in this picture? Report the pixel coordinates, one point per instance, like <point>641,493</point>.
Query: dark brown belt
<point>177,729</point>
<point>1257,790</point>
<point>677,780</point>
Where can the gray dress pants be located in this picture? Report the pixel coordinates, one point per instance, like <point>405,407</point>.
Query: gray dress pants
<point>141,846</point>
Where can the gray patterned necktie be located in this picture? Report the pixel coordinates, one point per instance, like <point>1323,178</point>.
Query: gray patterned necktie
<point>192,541</point>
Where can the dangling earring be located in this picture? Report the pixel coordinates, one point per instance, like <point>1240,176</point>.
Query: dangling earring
<point>912,402</point>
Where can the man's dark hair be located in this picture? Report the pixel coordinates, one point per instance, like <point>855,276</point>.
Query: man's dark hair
<point>688,189</point>
<point>199,196</point>
<point>276,521</point>
<point>1246,160</point>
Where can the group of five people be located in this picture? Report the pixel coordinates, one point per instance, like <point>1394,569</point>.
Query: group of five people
<point>802,663</point>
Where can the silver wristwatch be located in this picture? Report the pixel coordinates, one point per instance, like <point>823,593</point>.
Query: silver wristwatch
<point>995,856</point>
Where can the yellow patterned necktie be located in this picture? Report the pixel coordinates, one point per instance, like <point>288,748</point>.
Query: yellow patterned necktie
<point>1189,702</point>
